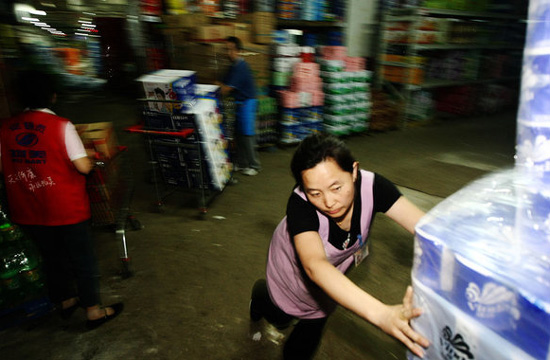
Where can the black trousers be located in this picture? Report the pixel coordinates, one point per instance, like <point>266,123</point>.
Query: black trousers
<point>306,335</point>
<point>69,260</point>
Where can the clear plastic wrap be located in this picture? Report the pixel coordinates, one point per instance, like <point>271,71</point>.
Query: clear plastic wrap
<point>486,251</point>
<point>482,257</point>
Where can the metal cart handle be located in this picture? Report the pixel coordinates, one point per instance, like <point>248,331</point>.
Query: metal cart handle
<point>183,133</point>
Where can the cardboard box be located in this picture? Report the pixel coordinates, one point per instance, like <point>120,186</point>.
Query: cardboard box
<point>258,58</point>
<point>263,24</point>
<point>100,137</point>
<point>165,85</point>
<point>211,33</point>
<point>209,7</point>
<point>239,30</point>
<point>334,52</point>
<point>208,60</point>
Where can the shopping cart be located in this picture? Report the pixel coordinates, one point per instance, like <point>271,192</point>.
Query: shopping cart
<point>194,179</point>
<point>110,187</point>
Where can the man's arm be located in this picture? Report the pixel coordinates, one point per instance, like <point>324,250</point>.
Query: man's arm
<point>225,89</point>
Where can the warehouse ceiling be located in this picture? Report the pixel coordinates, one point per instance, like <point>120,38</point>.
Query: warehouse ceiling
<point>67,16</point>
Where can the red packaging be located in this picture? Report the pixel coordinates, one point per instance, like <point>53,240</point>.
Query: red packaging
<point>334,52</point>
<point>299,83</point>
<point>354,63</point>
<point>289,99</point>
<point>306,69</point>
<point>318,98</point>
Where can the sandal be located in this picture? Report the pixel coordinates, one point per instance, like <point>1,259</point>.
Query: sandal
<point>117,309</point>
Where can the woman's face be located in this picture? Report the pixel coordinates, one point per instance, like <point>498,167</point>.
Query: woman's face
<point>330,188</point>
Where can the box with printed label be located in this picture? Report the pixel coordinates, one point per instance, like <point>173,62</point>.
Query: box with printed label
<point>211,33</point>
<point>184,87</point>
<point>99,137</point>
<point>165,87</point>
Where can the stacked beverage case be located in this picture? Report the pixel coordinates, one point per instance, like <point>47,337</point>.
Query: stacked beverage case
<point>22,282</point>
<point>346,84</point>
<point>482,257</point>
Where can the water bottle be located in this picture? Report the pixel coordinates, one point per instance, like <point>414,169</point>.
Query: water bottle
<point>10,280</point>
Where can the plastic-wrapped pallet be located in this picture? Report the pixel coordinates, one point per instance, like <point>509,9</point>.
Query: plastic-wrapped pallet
<point>346,85</point>
<point>482,271</point>
<point>482,257</point>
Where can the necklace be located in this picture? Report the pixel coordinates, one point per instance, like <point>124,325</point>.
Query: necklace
<point>346,242</point>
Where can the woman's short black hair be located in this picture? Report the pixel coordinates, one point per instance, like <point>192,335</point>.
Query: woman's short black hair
<point>235,40</point>
<point>36,89</point>
<point>317,148</point>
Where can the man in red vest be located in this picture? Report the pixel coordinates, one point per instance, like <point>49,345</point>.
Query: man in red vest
<point>44,164</point>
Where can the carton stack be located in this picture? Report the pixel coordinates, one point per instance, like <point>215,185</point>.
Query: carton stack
<point>285,55</point>
<point>197,42</point>
<point>99,139</point>
<point>313,10</point>
<point>302,104</point>
<point>180,165</point>
<point>346,85</point>
<point>266,121</point>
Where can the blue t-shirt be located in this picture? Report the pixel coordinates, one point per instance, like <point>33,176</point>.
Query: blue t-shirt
<point>240,78</point>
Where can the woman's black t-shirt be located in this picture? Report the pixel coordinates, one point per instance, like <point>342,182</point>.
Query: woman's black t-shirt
<point>302,215</point>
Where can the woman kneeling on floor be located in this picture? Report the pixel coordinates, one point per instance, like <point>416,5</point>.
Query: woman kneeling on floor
<point>324,233</point>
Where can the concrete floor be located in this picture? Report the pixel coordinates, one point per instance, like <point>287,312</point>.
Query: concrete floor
<point>188,298</point>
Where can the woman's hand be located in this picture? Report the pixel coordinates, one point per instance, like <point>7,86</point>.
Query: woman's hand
<point>396,323</point>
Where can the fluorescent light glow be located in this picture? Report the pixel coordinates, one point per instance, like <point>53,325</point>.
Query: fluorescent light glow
<point>80,34</point>
<point>23,7</point>
<point>40,24</point>
<point>88,13</point>
<point>37,12</point>
<point>26,18</point>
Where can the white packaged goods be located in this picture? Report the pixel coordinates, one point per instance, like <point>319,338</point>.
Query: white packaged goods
<point>284,64</point>
<point>165,86</point>
<point>208,91</point>
<point>334,77</point>
<point>305,99</point>
<point>213,146</point>
<point>291,50</point>
<point>332,65</point>
<point>457,336</point>
<point>485,250</point>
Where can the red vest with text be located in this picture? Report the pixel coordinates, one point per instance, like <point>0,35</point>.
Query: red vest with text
<point>43,186</point>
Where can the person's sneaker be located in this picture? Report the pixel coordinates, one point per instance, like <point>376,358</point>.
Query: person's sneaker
<point>250,172</point>
<point>237,168</point>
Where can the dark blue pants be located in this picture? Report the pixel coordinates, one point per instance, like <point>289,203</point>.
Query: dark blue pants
<point>306,335</point>
<point>69,261</point>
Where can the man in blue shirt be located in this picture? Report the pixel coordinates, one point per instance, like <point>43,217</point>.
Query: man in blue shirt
<point>240,82</point>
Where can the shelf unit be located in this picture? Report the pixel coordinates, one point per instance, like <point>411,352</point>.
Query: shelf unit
<point>310,24</point>
<point>409,49</point>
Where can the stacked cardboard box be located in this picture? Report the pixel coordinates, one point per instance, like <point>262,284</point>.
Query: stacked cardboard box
<point>266,121</point>
<point>346,84</point>
<point>285,55</point>
<point>98,138</point>
<point>196,42</point>
<point>302,104</point>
